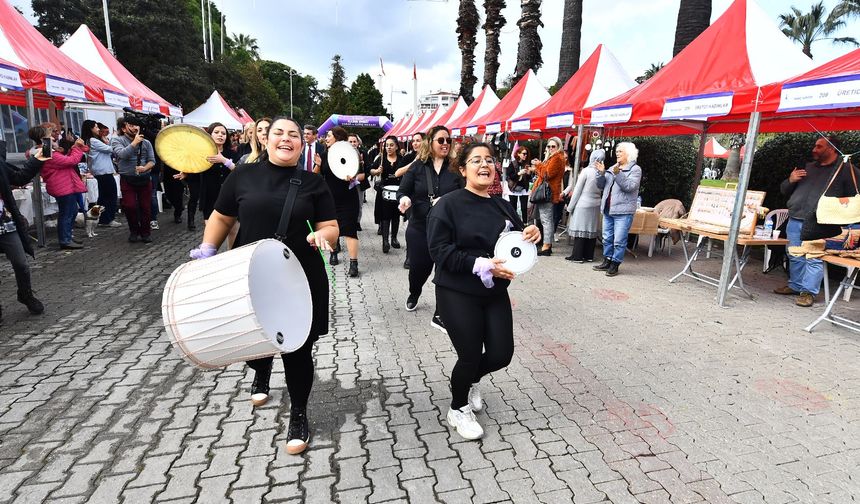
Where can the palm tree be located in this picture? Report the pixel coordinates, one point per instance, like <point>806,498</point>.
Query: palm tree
<point>492,27</point>
<point>467,30</point>
<point>651,72</point>
<point>528,51</point>
<point>814,26</point>
<point>847,8</point>
<point>246,44</point>
<point>694,17</point>
<point>571,33</point>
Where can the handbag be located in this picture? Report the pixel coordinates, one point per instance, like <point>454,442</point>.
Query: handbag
<point>813,230</point>
<point>541,194</point>
<point>835,210</point>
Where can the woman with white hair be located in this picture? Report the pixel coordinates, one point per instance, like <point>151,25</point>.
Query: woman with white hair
<point>620,185</point>
<point>551,170</point>
<point>584,208</point>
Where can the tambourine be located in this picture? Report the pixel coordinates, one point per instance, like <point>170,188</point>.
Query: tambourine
<point>519,255</point>
<point>343,160</point>
<point>185,148</point>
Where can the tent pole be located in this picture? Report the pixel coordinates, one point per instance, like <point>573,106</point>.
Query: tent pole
<point>107,27</point>
<point>577,152</point>
<point>211,45</point>
<point>203,24</point>
<point>697,177</point>
<point>38,210</point>
<point>730,248</point>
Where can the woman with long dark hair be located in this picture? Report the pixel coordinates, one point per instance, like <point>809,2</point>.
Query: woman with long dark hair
<point>102,168</point>
<point>389,216</point>
<point>256,195</point>
<point>471,284</point>
<point>429,178</point>
<point>518,178</point>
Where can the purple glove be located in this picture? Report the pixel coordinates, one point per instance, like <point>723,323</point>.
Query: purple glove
<point>203,251</point>
<point>483,268</point>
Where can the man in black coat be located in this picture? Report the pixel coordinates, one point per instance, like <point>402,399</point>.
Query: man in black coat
<point>14,240</point>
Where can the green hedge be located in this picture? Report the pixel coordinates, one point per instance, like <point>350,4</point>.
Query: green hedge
<point>668,166</point>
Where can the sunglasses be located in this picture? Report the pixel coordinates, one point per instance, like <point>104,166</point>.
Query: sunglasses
<point>443,140</point>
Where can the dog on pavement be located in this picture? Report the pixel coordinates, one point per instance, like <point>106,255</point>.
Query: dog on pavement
<point>90,219</point>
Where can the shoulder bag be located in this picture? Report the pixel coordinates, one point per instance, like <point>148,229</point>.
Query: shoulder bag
<point>835,210</point>
<point>542,193</point>
<point>286,213</point>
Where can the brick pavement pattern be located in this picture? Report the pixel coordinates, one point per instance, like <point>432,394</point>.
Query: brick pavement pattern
<point>621,390</point>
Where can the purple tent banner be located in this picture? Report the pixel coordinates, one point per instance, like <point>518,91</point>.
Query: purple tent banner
<point>355,121</point>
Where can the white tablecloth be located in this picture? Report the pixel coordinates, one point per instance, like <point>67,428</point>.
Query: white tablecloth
<point>24,199</point>
<point>93,189</point>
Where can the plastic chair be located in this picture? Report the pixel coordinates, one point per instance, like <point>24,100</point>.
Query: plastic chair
<point>779,217</point>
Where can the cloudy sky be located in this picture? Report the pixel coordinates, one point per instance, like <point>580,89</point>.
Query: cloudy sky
<point>306,34</point>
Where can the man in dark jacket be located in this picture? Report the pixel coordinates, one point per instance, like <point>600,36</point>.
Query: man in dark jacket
<point>14,240</point>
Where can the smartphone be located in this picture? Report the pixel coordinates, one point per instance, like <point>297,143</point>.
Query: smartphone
<point>46,147</point>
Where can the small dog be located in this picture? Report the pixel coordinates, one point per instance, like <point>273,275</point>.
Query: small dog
<point>90,219</point>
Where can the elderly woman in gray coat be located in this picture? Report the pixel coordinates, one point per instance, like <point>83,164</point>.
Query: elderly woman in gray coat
<point>584,208</point>
<point>620,185</point>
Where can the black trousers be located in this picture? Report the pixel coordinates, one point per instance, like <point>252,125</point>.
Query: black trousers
<point>174,190</point>
<point>193,181</point>
<point>420,262</point>
<point>524,205</point>
<point>108,197</point>
<point>583,249</point>
<point>10,244</point>
<point>299,372</point>
<point>390,227</point>
<point>482,332</point>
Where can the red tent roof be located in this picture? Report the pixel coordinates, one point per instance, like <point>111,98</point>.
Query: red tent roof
<point>526,94</point>
<point>402,123</point>
<point>717,74</point>
<point>423,126</point>
<point>713,149</point>
<point>86,49</point>
<point>394,127</point>
<point>44,67</point>
<point>452,114</point>
<point>482,104</point>
<point>413,121</point>
<point>600,78</point>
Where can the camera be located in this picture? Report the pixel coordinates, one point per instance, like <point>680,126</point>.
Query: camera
<point>150,124</point>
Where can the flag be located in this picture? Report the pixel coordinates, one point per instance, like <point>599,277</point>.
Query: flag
<point>414,72</point>
<point>515,149</point>
<point>381,68</point>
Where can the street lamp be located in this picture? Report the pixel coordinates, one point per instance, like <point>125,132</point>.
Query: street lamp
<point>292,71</point>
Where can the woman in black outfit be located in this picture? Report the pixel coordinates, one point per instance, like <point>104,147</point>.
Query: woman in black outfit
<point>427,179</point>
<point>345,193</point>
<point>256,195</point>
<point>222,164</point>
<point>389,217</point>
<point>518,178</point>
<point>471,285</point>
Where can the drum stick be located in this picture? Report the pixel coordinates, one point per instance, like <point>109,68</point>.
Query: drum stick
<point>327,265</point>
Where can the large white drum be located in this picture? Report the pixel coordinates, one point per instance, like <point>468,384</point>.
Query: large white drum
<point>250,302</point>
<point>389,192</point>
<point>519,255</point>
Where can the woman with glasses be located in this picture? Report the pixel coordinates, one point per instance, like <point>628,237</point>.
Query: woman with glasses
<point>518,178</point>
<point>550,170</point>
<point>472,285</point>
<point>389,217</point>
<point>429,178</point>
<point>620,187</point>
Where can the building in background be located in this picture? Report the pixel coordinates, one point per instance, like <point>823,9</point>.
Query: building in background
<point>435,100</point>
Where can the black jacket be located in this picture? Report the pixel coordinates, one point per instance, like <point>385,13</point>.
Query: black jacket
<point>11,175</point>
<point>414,185</point>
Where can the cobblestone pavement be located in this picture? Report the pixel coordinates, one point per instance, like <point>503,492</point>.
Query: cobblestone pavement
<point>621,390</point>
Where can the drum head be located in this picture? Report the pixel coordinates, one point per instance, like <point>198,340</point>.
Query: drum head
<point>184,148</point>
<point>343,160</point>
<point>280,295</point>
<point>519,255</point>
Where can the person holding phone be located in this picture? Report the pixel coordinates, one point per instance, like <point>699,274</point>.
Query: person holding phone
<point>15,243</point>
<point>62,181</point>
<point>135,158</point>
<point>471,284</point>
<point>620,186</point>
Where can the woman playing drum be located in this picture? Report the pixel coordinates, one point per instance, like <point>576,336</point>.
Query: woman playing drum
<point>256,195</point>
<point>386,208</point>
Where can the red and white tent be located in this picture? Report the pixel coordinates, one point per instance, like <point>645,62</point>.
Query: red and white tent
<point>600,78</point>
<point>451,114</point>
<point>394,127</point>
<point>413,120</point>
<point>716,75</point>
<point>423,126</point>
<point>244,117</point>
<point>42,66</point>
<point>215,109</point>
<point>484,103</point>
<point>526,94</point>
<point>88,51</point>
<point>713,149</point>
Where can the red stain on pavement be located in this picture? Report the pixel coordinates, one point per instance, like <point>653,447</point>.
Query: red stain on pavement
<point>792,394</point>
<point>642,416</point>
<point>609,295</point>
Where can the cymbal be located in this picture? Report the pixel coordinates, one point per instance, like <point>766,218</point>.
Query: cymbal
<point>343,160</point>
<point>184,148</point>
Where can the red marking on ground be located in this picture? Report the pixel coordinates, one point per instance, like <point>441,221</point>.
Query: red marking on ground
<point>640,416</point>
<point>792,394</point>
<point>610,295</point>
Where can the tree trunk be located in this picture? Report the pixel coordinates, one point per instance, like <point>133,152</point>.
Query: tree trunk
<point>694,17</point>
<point>467,30</point>
<point>528,51</point>
<point>571,33</point>
<point>492,27</point>
<point>733,165</point>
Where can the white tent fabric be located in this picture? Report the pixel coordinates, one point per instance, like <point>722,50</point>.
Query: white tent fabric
<point>215,109</point>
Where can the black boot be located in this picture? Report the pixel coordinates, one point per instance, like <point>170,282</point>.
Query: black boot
<point>603,266</point>
<point>34,305</point>
<point>613,269</point>
<point>394,242</point>
<point>386,246</point>
<point>260,386</point>
<point>333,260</point>
<point>191,226</point>
<point>298,434</point>
<point>353,268</point>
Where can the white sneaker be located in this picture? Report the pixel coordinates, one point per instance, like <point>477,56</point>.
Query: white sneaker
<point>153,224</point>
<point>475,399</point>
<point>464,422</point>
<point>114,224</point>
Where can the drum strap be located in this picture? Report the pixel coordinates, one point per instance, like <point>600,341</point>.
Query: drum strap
<point>281,233</point>
<point>508,212</point>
